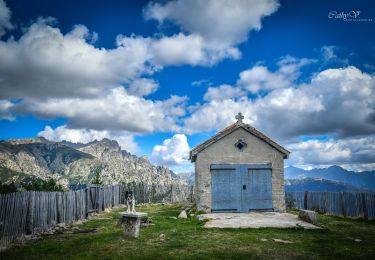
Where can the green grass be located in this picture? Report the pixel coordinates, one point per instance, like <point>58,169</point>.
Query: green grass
<point>187,239</point>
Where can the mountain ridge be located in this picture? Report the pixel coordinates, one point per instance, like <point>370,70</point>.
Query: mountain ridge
<point>317,184</point>
<point>361,180</point>
<point>44,159</point>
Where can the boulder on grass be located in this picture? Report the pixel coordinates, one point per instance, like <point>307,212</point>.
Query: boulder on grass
<point>307,215</point>
<point>182,214</point>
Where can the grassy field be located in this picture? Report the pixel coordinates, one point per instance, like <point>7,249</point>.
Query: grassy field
<point>187,239</point>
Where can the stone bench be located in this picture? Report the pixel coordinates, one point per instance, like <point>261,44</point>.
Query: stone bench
<point>131,223</point>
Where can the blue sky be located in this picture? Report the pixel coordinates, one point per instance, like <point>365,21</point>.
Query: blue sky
<point>161,77</point>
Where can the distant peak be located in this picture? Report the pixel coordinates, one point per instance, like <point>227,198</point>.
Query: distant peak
<point>293,167</point>
<point>335,167</point>
<point>108,141</point>
<point>39,139</point>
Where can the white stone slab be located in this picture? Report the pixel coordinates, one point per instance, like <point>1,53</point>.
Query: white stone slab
<point>133,215</point>
<point>255,220</point>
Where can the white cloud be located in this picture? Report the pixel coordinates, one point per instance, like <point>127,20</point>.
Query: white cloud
<point>142,87</point>
<point>116,111</point>
<point>64,75</point>
<point>221,23</point>
<point>5,107</point>
<point>56,65</point>
<point>344,152</point>
<point>201,82</point>
<point>181,49</point>
<point>5,15</point>
<point>260,78</point>
<point>178,49</point>
<point>173,151</point>
<point>336,100</point>
<point>318,152</point>
<point>218,114</point>
<point>359,167</point>
<point>329,55</point>
<point>214,29</point>
<point>222,92</point>
<point>83,135</point>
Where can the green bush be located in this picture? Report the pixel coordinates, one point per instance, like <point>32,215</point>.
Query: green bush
<point>42,185</point>
<point>8,188</point>
<point>32,185</point>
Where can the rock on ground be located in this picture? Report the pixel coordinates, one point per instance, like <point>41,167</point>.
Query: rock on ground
<point>307,215</point>
<point>282,241</point>
<point>182,214</point>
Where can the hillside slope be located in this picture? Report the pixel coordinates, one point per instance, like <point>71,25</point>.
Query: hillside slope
<point>71,164</point>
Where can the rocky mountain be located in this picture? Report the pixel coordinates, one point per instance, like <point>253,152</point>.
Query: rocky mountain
<point>359,180</point>
<point>78,163</point>
<point>188,177</point>
<point>315,184</point>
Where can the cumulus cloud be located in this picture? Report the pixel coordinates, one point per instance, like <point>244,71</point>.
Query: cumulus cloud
<point>354,151</point>
<point>56,65</point>
<point>5,110</point>
<point>5,15</point>
<point>64,75</point>
<point>329,55</point>
<point>142,87</point>
<point>217,114</point>
<point>173,151</point>
<point>214,28</point>
<point>335,101</point>
<point>260,78</point>
<point>222,92</point>
<point>201,82</point>
<point>84,135</point>
<point>178,49</point>
<point>324,105</point>
<point>318,152</point>
<point>220,23</point>
<point>117,110</point>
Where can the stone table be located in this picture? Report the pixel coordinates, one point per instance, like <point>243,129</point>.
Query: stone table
<point>131,223</point>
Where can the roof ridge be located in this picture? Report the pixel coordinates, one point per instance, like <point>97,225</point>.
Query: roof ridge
<point>231,128</point>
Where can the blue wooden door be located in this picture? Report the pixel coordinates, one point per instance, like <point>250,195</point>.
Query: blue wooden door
<point>256,189</point>
<point>226,195</point>
<point>241,187</point>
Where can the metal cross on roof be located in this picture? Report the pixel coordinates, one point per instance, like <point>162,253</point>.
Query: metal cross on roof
<point>239,117</point>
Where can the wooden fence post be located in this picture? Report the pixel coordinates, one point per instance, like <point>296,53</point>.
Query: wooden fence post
<point>342,203</point>
<point>324,202</point>
<point>30,213</point>
<point>364,206</point>
<point>305,200</point>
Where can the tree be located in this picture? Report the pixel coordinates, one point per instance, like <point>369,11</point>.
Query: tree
<point>8,188</point>
<point>97,179</point>
<point>42,185</point>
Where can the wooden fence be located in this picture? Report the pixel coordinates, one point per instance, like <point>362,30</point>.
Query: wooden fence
<point>346,204</point>
<point>25,213</point>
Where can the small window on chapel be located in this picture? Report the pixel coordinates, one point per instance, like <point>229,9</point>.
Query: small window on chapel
<point>240,145</point>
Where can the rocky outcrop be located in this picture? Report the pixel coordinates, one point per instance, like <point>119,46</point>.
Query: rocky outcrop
<point>41,158</point>
<point>188,177</point>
